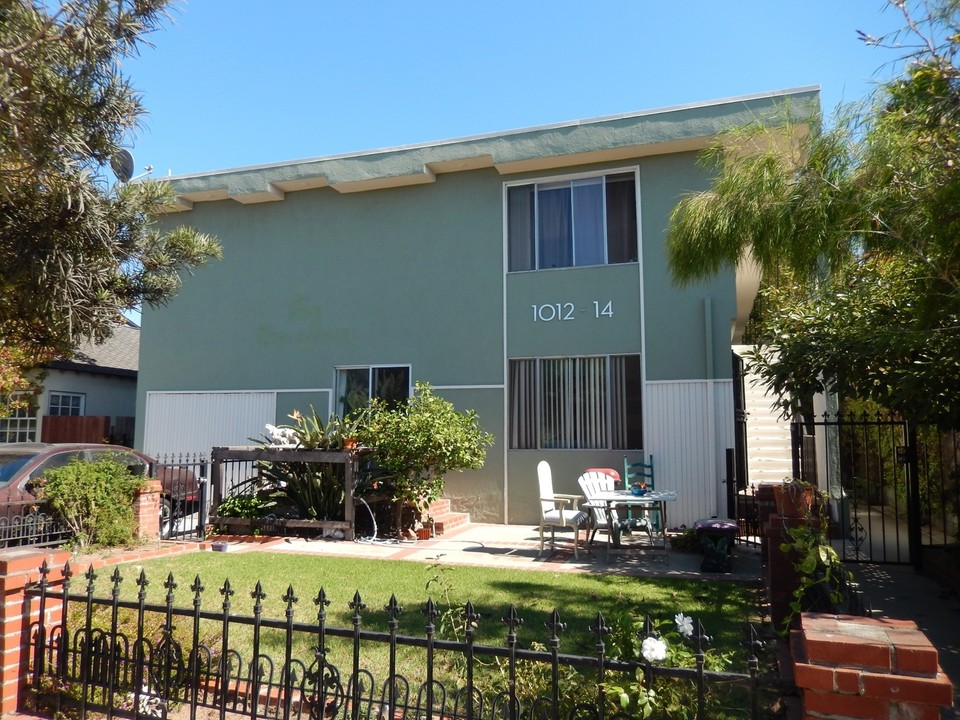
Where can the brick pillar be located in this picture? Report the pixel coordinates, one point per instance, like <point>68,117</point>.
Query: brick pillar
<point>146,507</point>
<point>781,575</point>
<point>19,568</point>
<point>864,668</point>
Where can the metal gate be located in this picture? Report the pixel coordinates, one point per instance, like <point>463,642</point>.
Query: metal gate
<point>185,496</point>
<point>893,485</point>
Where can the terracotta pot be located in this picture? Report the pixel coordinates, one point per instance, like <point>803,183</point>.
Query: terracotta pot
<point>423,533</point>
<point>349,443</point>
<point>793,501</point>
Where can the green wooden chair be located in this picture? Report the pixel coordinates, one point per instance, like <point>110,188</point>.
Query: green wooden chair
<point>635,473</point>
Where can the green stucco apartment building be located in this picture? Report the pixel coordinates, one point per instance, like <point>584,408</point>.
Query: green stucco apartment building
<point>522,274</point>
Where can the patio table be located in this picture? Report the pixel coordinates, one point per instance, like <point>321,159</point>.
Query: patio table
<point>612,499</point>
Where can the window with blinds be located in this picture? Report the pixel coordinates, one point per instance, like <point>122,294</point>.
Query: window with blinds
<point>586,403</point>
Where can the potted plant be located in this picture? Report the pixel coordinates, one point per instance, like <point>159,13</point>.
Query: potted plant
<point>821,582</point>
<point>344,431</point>
<point>794,498</point>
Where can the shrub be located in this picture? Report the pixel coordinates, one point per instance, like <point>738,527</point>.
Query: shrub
<point>93,499</point>
<point>249,507</point>
<point>420,442</point>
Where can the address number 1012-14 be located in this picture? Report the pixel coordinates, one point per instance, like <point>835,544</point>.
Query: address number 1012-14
<point>549,312</point>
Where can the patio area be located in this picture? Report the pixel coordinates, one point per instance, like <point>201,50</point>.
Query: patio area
<point>517,546</point>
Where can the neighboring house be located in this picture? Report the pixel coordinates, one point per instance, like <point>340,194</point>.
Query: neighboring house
<point>90,398</point>
<point>522,274</point>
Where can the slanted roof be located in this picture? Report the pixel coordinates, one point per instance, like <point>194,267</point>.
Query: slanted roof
<point>118,355</point>
<point>608,139</point>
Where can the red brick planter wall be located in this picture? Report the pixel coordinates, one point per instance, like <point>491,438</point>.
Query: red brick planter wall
<point>867,668</point>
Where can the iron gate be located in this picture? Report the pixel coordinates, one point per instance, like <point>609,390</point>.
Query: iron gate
<point>892,485</point>
<point>184,504</point>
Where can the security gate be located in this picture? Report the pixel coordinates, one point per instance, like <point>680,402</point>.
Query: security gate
<point>893,485</point>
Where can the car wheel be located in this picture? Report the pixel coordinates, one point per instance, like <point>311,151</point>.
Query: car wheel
<point>166,519</point>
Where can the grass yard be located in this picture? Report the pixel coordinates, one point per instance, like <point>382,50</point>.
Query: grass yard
<point>724,608</point>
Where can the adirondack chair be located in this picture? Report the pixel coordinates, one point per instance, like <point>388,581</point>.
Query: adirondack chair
<point>593,482</point>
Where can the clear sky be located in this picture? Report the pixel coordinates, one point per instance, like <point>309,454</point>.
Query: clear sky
<point>232,83</point>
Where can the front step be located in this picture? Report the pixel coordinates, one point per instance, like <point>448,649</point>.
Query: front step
<point>445,518</point>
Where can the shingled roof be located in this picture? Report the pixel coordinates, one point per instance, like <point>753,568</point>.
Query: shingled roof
<point>119,355</point>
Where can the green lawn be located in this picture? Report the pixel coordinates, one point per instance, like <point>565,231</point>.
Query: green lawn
<point>724,608</point>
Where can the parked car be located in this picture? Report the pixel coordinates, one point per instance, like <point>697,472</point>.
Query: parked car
<point>22,463</point>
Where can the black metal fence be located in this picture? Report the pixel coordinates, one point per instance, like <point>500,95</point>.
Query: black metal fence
<point>893,486</point>
<point>185,503</point>
<point>25,523</point>
<point>131,658</point>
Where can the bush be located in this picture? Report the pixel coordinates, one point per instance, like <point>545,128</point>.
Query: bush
<point>95,500</point>
<point>418,443</point>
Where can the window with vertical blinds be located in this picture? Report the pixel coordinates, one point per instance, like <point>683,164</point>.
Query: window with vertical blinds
<point>587,403</point>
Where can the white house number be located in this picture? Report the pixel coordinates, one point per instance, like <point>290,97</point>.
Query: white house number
<point>568,311</point>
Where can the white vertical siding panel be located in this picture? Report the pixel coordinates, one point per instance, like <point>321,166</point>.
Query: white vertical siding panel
<point>723,413</point>
<point>687,435</point>
<point>195,422</point>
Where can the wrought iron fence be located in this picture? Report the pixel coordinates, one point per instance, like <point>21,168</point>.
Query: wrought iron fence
<point>894,487</point>
<point>131,658</point>
<point>24,522</point>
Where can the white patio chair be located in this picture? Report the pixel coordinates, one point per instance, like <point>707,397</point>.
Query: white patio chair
<point>558,510</point>
<point>593,482</point>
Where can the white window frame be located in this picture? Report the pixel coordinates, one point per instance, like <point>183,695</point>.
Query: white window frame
<point>602,425</point>
<point>23,426</point>
<point>339,369</point>
<point>571,178</point>
<point>82,407</point>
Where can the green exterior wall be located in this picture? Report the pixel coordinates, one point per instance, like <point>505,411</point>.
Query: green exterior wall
<point>415,275</point>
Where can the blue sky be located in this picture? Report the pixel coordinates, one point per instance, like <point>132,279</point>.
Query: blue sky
<point>246,82</point>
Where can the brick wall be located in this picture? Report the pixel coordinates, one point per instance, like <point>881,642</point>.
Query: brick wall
<point>19,568</point>
<point>867,668</point>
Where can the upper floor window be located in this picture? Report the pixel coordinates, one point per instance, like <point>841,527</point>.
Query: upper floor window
<point>586,221</point>
<point>66,403</point>
<point>357,385</point>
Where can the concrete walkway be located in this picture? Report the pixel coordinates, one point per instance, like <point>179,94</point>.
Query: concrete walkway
<point>518,546</point>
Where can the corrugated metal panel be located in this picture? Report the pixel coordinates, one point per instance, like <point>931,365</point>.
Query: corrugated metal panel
<point>195,422</point>
<point>689,425</point>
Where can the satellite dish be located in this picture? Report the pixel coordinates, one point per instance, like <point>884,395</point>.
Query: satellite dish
<point>122,165</point>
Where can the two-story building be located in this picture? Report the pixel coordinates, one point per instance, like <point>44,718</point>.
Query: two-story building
<point>523,274</point>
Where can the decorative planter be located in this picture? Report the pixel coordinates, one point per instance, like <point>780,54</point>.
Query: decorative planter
<point>793,501</point>
<point>424,533</point>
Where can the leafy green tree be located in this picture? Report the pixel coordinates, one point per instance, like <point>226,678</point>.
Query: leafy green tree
<point>76,250</point>
<point>420,442</point>
<point>855,229</point>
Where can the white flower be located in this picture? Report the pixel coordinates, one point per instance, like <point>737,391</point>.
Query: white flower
<point>684,625</point>
<point>653,649</point>
<point>279,435</point>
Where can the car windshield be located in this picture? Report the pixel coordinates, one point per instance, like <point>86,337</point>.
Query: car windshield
<point>11,463</point>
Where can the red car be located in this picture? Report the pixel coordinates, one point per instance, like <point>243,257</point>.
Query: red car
<point>21,463</point>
